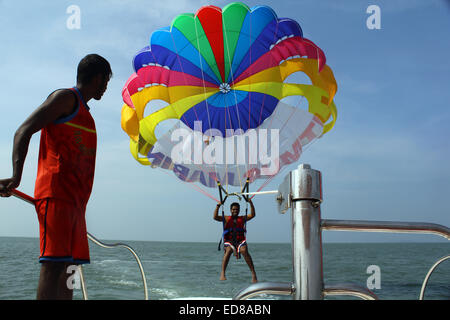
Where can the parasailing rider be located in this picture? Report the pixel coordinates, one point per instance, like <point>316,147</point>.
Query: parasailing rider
<point>234,236</point>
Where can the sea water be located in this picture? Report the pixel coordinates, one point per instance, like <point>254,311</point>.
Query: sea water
<point>178,270</point>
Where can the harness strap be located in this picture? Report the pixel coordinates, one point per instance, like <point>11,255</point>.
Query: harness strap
<point>222,201</point>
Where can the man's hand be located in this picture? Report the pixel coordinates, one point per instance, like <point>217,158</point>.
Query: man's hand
<point>252,210</point>
<point>216,212</point>
<point>7,185</point>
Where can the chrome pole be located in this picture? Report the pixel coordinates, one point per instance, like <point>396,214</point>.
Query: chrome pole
<point>306,195</point>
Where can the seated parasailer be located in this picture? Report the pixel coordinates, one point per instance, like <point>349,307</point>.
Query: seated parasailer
<point>234,239</point>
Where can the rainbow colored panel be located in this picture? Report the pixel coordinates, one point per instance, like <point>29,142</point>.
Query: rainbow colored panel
<point>226,68</point>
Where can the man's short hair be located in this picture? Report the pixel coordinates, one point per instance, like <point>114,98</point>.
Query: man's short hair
<point>92,65</point>
<point>235,204</point>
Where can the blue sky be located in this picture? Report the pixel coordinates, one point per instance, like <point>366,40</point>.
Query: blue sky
<point>385,159</point>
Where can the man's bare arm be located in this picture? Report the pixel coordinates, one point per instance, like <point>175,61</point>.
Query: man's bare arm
<point>252,210</point>
<point>57,105</point>
<point>216,213</point>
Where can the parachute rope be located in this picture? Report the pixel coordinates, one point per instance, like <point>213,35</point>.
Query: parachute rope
<point>236,105</point>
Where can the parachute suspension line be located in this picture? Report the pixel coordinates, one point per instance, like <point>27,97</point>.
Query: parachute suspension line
<point>186,82</point>
<point>222,202</point>
<point>203,77</point>
<point>249,99</point>
<point>235,98</point>
<point>260,115</point>
<point>210,174</point>
<point>234,145</point>
<point>230,61</point>
<point>250,62</point>
<point>226,149</point>
<point>235,153</point>
<point>182,70</point>
<point>226,162</point>
<point>237,142</point>
<point>162,158</point>
<point>206,100</point>
<point>264,184</point>
<point>231,69</point>
<point>221,191</point>
<point>245,217</point>
<point>264,99</point>
<point>139,134</point>
<point>214,177</point>
<point>244,192</point>
<point>267,181</point>
<point>245,189</point>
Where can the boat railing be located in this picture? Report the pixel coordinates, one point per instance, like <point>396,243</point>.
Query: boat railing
<point>301,193</point>
<point>31,200</point>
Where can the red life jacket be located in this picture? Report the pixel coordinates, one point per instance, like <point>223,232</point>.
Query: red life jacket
<point>234,229</point>
<point>67,157</point>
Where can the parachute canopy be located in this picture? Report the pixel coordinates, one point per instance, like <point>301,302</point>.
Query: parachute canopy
<point>221,74</point>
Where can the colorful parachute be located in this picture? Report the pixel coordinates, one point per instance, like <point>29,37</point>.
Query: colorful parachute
<point>222,76</point>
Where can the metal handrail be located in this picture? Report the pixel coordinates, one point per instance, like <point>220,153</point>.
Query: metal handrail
<point>391,227</point>
<point>283,288</point>
<point>386,226</point>
<point>278,288</point>
<point>349,290</point>
<point>301,191</point>
<point>138,260</point>
<point>22,196</point>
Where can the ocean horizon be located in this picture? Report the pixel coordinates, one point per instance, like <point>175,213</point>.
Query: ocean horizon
<point>183,270</point>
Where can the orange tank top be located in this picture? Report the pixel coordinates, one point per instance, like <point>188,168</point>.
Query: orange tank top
<point>67,152</point>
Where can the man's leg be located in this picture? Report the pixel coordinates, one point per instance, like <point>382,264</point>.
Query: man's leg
<point>249,261</point>
<point>53,282</point>
<point>55,236</point>
<point>226,258</point>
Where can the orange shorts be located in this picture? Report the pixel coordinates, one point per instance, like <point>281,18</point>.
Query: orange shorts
<point>62,232</point>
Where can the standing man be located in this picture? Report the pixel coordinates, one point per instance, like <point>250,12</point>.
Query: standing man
<point>65,174</point>
<point>234,239</point>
